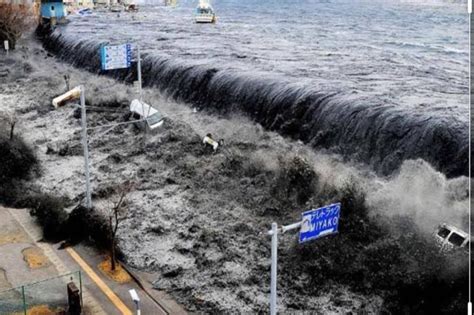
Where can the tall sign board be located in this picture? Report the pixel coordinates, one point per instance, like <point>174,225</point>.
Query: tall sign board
<point>319,222</point>
<point>314,224</point>
<point>116,56</point>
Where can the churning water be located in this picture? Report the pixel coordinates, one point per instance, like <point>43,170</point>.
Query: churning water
<point>380,82</point>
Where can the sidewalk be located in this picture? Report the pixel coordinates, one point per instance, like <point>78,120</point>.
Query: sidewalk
<point>18,232</point>
<point>101,295</point>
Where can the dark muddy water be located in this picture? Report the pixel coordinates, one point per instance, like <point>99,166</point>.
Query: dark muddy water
<point>379,82</point>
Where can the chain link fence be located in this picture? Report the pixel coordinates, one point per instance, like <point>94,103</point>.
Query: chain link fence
<point>48,296</point>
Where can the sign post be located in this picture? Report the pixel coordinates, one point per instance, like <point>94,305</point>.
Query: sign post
<point>139,70</point>
<point>120,57</point>
<point>314,224</point>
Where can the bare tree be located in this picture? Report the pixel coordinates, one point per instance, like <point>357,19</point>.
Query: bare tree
<point>14,20</point>
<point>10,118</point>
<point>117,214</point>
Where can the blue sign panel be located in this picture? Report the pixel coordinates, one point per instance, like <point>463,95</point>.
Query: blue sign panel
<point>319,222</point>
<point>116,57</point>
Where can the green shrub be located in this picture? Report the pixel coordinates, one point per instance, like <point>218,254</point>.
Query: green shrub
<point>17,162</point>
<point>50,214</point>
<point>295,181</point>
<point>17,159</point>
<point>87,224</point>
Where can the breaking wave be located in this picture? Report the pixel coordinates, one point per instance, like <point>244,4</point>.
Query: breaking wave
<point>380,134</point>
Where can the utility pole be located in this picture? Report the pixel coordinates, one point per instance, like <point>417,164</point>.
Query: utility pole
<point>140,93</point>
<point>273,284</point>
<point>86,148</point>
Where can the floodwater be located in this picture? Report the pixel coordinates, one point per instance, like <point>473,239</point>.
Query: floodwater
<point>381,82</point>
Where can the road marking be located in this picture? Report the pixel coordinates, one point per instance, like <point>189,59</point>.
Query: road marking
<point>101,284</point>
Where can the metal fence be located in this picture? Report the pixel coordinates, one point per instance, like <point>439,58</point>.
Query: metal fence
<point>48,295</point>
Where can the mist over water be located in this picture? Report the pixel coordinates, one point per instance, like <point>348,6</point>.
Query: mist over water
<point>424,195</point>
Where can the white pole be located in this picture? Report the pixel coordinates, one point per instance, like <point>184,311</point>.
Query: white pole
<point>86,149</point>
<point>139,66</point>
<point>139,312</point>
<point>139,70</point>
<point>273,285</point>
<point>6,46</point>
<point>469,305</point>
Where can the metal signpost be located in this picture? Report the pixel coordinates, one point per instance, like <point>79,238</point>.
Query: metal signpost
<point>314,224</point>
<point>120,57</point>
<point>139,70</point>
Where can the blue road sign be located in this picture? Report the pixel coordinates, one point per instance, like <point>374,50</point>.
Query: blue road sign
<point>115,57</point>
<point>319,222</point>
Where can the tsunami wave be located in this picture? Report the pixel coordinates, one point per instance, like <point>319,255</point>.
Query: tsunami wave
<point>377,133</point>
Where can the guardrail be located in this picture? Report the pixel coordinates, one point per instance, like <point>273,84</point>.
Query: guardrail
<point>42,296</point>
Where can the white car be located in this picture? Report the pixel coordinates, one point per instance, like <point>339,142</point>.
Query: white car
<point>449,238</point>
<point>141,110</point>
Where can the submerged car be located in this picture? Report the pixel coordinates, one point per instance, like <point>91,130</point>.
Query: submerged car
<point>450,238</point>
<point>141,110</point>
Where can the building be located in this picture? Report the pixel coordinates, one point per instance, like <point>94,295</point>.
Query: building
<point>52,11</point>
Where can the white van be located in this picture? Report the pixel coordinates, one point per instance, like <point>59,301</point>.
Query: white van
<point>449,238</point>
<point>141,110</point>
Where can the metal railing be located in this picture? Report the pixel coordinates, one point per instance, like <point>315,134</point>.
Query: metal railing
<point>45,295</point>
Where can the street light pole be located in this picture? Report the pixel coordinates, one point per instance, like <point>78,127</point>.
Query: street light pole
<point>273,284</point>
<point>86,148</point>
